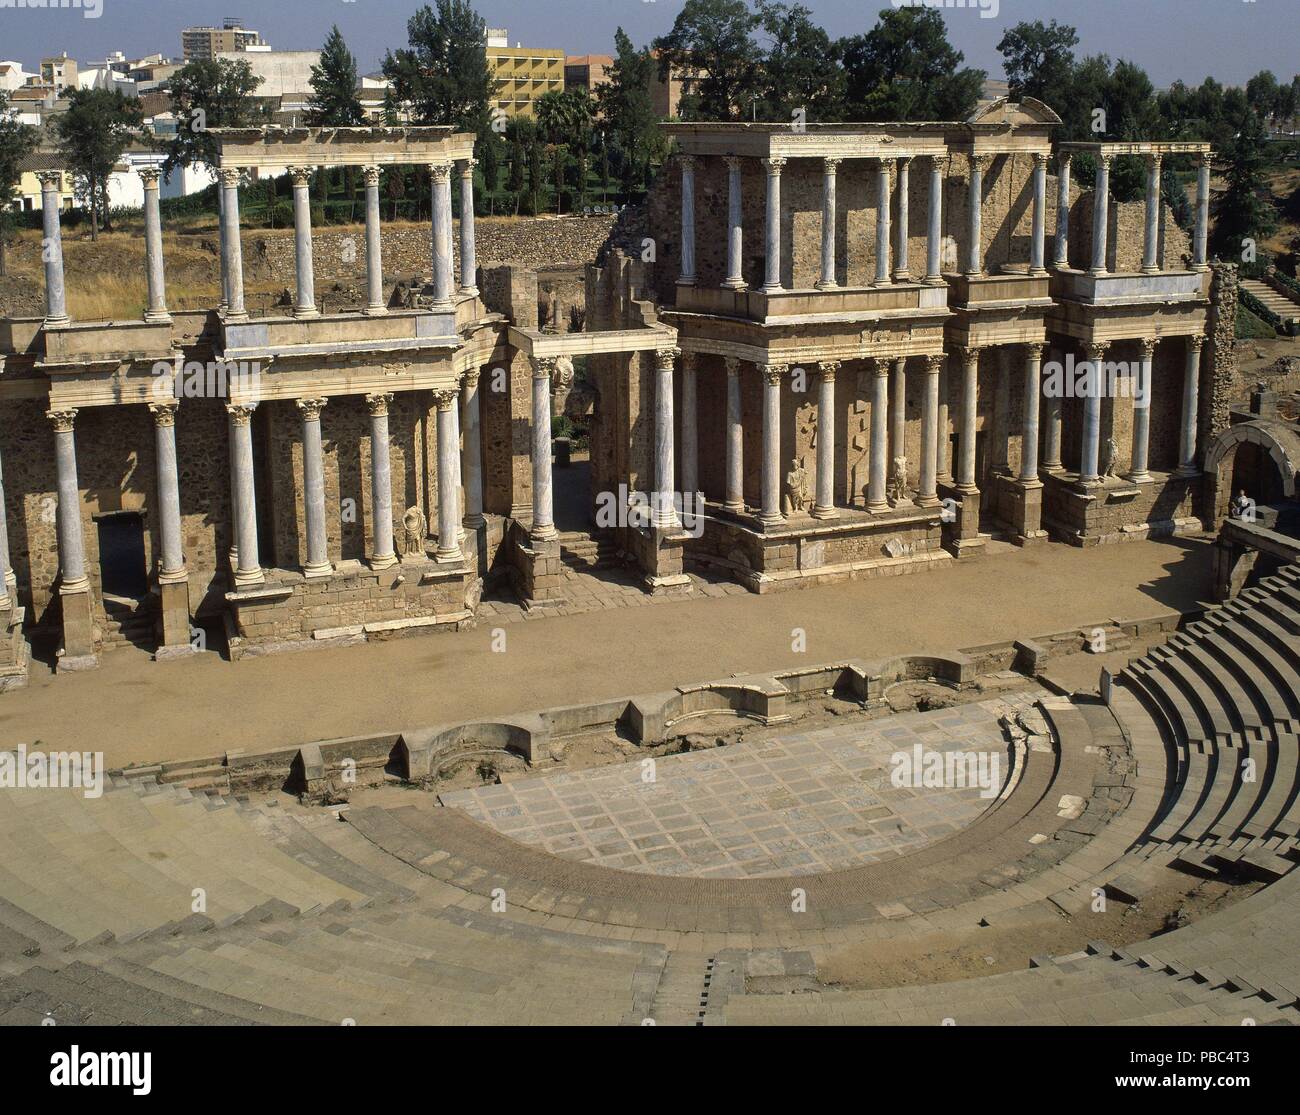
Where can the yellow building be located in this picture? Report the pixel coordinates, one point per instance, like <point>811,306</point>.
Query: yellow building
<point>523,74</point>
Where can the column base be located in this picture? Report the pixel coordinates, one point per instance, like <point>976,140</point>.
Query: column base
<point>375,311</point>
<point>56,322</point>
<point>1184,472</point>
<point>452,556</point>
<point>249,578</point>
<point>824,284</point>
<point>1142,477</point>
<point>172,653</point>
<point>770,521</point>
<point>383,561</point>
<point>543,534</point>
<point>303,312</point>
<point>444,306</point>
<point>877,507</point>
<point>769,288</point>
<point>317,569</point>
<point>1149,271</point>
<point>239,318</point>
<point>734,284</point>
<point>157,317</point>
<point>469,291</point>
<point>931,500</point>
<point>474,521</point>
<point>902,502</point>
<point>882,283</point>
<point>1053,468</point>
<point>935,280</point>
<point>1097,272</point>
<point>687,280</point>
<point>736,507</point>
<point>903,276</point>
<point>1038,272</point>
<point>824,513</point>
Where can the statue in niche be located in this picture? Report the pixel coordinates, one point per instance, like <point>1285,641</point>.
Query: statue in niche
<point>416,528</point>
<point>1109,458</point>
<point>796,489</point>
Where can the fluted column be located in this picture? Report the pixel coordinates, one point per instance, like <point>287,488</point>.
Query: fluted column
<point>248,571</point>
<point>1199,243</point>
<point>1100,215</point>
<point>934,233</point>
<point>448,403</point>
<point>543,514</point>
<point>72,543</point>
<point>882,222</point>
<point>735,226</point>
<point>156,312</point>
<point>1037,243</point>
<point>663,513</point>
<point>375,305</point>
<point>690,447</point>
<point>305,305</point>
<point>56,303</point>
<point>1142,412</point>
<point>1091,450</point>
<point>440,177</point>
<point>1052,422</point>
<point>928,491</point>
<point>1187,454</point>
<point>943,450</point>
<point>687,276</point>
<point>772,282</point>
<point>970,367</point>
<point>383,555</point>
<point>824,505</point>
<point>473,452</point>
<point>232,250</point>
<point>975,250</point>
<point>1062,211</point>
<point>770,514</point>
<point>313,485</point>
<point>1029,428</point>
<point>735,495</point>
<point>171,561</point>
<point>901,272</point>
<point>876,499</point>
<point>1151,227</point>
<point>827,281</point>
<point>898,421</point>
<point>468,253</point>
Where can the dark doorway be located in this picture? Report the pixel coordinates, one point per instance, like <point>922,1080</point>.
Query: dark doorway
<point>122,566</point>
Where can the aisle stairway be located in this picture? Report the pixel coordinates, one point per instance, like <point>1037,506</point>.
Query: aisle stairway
<point>1282,303</point>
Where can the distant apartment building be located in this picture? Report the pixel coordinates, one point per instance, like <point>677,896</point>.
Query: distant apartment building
<point>60,72</point>
<point>203,43</point>
<point>523,74</point>
<point>587,71</point>
<point>666,93</point>
<point>12,75</point>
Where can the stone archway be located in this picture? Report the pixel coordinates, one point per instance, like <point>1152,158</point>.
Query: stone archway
<point>1276,440</point>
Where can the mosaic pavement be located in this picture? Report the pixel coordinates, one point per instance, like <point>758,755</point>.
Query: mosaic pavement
<point>795,804</point>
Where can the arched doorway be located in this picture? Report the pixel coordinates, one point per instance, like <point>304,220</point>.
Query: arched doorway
<point>1262,456</point>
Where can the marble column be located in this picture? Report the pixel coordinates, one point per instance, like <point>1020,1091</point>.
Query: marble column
<point>224,305</point>
<point>770,513</point>
<point>8,579</point>
<point>690,447</point>
<point>772,281</point>
<point>735,495</point>
<point>827,281</point>
<point>375,305</point>
<point>898,421</point>
<point>663,513</point>
<point>687,275</point>
<point>882,222</point>
<point>449,517</point>
<point>928,492</point>
<point>735,279</point>
<point>473,452</point>
<point>934,233</point>
<point>56,303</point>
<point>1029,427</point>
<point>1052,420</point>
<point>1200,238</point>
<point>1038,236</point>
<point>1091,451</point>
<point>1062,211</point>
<point>156,312</point>
<point>382,555</point>
<point>1151,226</point>
<point>440,177</point>
<point>171,560</point>
<point>1100,215</point>
<point>543,515</point>
<point>1187,454</point>
<point>824,505</point>
<point>876,497</point>
<point>970,366</point>
<point>901,272</point>
<point>975,202</point>
<point>248,572</point>
<point>305,303</point>
<point>72,543</point>
<point>313,484</point>
<point>468,254</point>
<point>943,449</point>
<point>232,250</point>
<point>1142,412</point>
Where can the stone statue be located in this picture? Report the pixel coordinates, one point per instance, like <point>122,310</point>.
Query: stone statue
<point>1109,457</point>
<point>796,488</point>
<point>562,378</point>
<point>898,480</point>
<point>416,529</point>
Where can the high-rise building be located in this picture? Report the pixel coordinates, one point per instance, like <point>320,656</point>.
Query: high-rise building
<point>202,43</point>
<point>523,74</point>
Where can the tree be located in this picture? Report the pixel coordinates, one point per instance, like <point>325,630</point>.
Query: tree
<point>712,38</point>
<point>443,75</point>
<point>1243,212</point>
<point>17,141</point>
<point>1262,93</point>
<point>93,134</point>
<point>624,101</point>
<point>491,163</point>
<point>1039,61</point>
<point>334,101</point>
<point>535,177</point>
<point>799,69</point>
<point>207,94</point>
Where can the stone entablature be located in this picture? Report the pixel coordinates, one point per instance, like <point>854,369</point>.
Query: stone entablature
<point>273,147</point>
<point>809,141</point>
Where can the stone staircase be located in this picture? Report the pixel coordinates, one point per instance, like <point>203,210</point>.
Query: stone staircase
<point>129,622</point>
<point>587,552</point>
<point>1282,303</point>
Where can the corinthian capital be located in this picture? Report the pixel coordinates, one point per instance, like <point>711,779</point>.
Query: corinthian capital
<point>229,176</point>
<point>301,175</point>
<point>440,172</point>
<point>50,179</point>
<point>311,408</point>
<point>371,174</point>
<point>665,358</point>
<point>63,420</point>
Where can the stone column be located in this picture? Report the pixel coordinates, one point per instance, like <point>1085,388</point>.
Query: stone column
<point>770,514</point>
<point>901,272</point>
<point>735,226</point>
<point>1187,465</point>
<point>934,233</point>
<point>153,249</point>
<point>171,562</point>
<point>375,305</point>
<point>249,569</point>
<point>928,493</point>
<point>74,585</point>
<point>440,176</point>
<point>876,498</point>
<point>1151,229</point>
<point>943,448</point>
<point>975,253</point>
<point>735,496</point>
<point>1037,243</point>
<point>827,281</point>
<point>383,555</point>
<point>898,422</point>
<point>1100,215</point>
<point>473,453</point>
<point>687,276</point>
<point>305,304</point>
<point>1142,412</point>
<point>970,366</point>
<point>1029,429</point>
<point>1062,211</point>
<point>468,255</point>
<point>232,250</point>
<point>543,517</point>
<point>1202,214</point>
<point>224,305</point>
<point>313,484</point>
<point>56,303</point>
<point>449,474</point>
<point>772,282</point>
<point>882,222</point>
<point>8,579</point>
<point>663,514</point>
<point>824,505</point>
<point>1052,423</point>
<point>690,449</point>
<point>1088,458</point>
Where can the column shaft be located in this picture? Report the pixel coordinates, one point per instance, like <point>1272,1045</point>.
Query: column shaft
<point>824,506</point>
<point>687,276</point>
<point>473,454</point>
<point>72,543</point>
<point>898,420</point>
<point>827,281</point>
<point>663,511</point>
<point>1038,235</point>
<point>543,518</point>
<point>1142,413</point>
<point>440,177</point>
<point>56,305</point>
<point>1100,215</point>
<point>1052,417</point>
<point>975,256</point>
<point>449,517</point>
<point>153,249</point>
<point>1200,241</point>
<point>772,281</point>
<point>1151,227</point>
<point>943,448</point>
<point>934,233</point>
<point>901,272</point>
<point>1029,429</point>
<point>882,222</point>
<point>876,500</point>
<point>171,563</point>
<point>970,366</point>
<point>690,447</point>
<point>928,492</point>
<point>8,579</point>
<point>770,514</point>
<point>313,484</point>
<point>1062,211</point>
<point>249,569</point>
<point>735,279</point>
<point>1187,465</point>
<point>735,499</point>
<point>468,254</point>
<point>1088,458</point>
<point>232,248</point>
<point>382,554</point>
<point>305,305</point>
<point>375,306</point>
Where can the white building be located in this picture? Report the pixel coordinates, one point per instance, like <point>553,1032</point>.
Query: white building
<point>12,75</point>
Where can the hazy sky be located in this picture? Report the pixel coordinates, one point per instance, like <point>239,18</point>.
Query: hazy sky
<point>1171,39</point>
